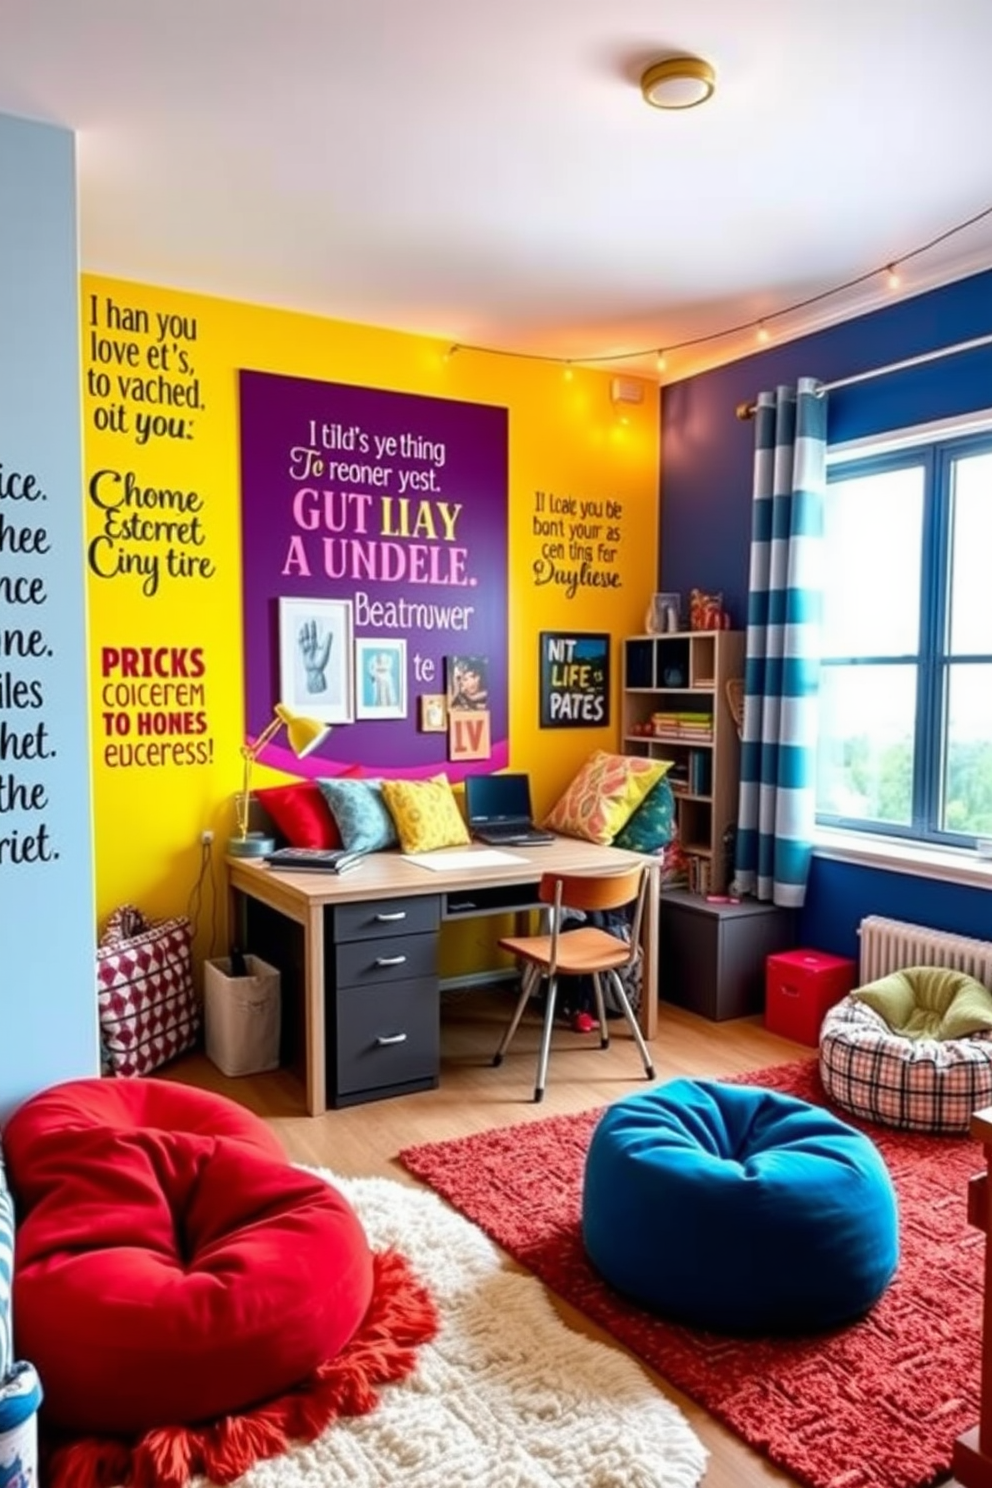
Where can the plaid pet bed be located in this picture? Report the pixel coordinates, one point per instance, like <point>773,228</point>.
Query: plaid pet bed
<point>926,1085</point>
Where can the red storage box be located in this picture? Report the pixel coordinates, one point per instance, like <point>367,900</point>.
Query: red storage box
<point>800,986</point>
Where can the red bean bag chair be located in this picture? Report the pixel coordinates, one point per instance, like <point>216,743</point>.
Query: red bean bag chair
<point>173,1270</point>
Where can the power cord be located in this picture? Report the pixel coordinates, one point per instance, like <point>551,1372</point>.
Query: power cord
<point>196,899</point>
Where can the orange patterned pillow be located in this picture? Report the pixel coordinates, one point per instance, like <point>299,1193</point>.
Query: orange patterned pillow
<point>604,794</point>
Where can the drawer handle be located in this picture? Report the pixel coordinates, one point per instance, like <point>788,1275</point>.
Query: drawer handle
<point>391,1038</point>
<point>397,914</point>
<point>389,960</point>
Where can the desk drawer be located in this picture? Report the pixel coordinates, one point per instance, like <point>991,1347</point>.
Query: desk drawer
<point>378,917</point>
<point>394,958</point>
<point>385,1036</point>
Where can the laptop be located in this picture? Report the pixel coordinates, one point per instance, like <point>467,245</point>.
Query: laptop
<point>498,811</point>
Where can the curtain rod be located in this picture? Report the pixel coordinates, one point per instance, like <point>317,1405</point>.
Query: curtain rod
<point>747,410</point>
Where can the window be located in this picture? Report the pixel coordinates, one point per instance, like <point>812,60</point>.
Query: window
<point>905,743</point>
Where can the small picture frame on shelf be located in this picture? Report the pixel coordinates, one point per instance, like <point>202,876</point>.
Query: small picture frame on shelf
<point>664,616</point>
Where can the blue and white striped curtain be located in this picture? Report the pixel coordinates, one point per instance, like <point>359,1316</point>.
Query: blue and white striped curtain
<point>782,670</point>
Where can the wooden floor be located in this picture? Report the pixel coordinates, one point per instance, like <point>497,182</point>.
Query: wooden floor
<point>473,1096</point>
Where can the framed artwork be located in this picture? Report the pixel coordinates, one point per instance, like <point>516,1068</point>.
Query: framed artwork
<point>315,658</point>
<point>380,677</point>
<point>467,683</point>
<point>433,717</point>
<point>574,679</point>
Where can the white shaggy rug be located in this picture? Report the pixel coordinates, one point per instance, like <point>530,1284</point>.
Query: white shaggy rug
<point>506,1396</point>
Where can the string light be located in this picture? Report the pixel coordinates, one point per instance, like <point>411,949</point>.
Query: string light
<point>759,327</point>
<point>568,373</point>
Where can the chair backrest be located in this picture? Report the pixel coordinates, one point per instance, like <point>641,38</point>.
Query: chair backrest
<point>597,891</point>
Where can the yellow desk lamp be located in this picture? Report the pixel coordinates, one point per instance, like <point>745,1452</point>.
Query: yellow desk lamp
<point>304,735</point>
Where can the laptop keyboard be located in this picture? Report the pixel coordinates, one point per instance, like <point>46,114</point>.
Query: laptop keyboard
<point>515,836</point>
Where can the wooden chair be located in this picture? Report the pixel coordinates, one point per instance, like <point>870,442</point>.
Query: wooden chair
<point>585,951</point>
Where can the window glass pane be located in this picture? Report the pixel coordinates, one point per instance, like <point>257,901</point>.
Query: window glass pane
<point>968,757</point>
<point>971,545</point>
<point>865,753</point>
<point>871,564</point>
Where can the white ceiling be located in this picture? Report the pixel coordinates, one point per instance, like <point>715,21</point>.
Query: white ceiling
<point>486,170</point>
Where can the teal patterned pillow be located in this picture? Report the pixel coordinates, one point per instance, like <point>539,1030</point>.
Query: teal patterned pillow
<point>361,813</point>
<point>653,823</point>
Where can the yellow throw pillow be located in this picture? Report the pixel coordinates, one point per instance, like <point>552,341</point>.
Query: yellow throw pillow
<point>604,795</point>
<point>425,813</point>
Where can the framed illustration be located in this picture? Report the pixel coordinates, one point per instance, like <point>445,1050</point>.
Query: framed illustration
<point>574,679</point>
<point>467,683</point>
<point>315,657</point>
<point>380,677</point>
<point>433,717</point>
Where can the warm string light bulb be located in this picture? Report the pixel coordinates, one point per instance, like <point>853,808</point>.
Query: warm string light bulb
<point>568,374</point>
<point>892,277</point>
<point>660,362</point>
<point>762,334</point>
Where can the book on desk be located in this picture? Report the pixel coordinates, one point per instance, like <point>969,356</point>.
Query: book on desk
<point>314,859</point>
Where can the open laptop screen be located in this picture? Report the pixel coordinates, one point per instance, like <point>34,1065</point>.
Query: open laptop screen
<point>493,799</point>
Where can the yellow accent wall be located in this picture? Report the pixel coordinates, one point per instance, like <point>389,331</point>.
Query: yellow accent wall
<point>162,513</point>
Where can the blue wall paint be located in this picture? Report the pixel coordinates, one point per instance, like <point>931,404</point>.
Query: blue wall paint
<point>707,451</point>
<point>706,515</point>
<point>48,1015</point>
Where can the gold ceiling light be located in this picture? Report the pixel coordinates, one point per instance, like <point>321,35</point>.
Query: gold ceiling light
<point>678,83</point>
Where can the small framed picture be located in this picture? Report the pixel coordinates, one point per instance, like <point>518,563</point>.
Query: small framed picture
<point>433,713</point>
<point>380,673</point>
<point>315,650</point>
<point>467,681</point>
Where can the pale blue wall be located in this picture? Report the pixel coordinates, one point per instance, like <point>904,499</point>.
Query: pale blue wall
<point>48,1020</point>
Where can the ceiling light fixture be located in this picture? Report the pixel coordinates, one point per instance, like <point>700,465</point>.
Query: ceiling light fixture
<point>678,83</point>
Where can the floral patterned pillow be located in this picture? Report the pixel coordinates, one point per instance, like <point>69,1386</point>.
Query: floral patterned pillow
<point>604,795</point>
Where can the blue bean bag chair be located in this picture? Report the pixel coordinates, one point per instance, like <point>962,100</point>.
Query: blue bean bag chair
<point>737,1209</point>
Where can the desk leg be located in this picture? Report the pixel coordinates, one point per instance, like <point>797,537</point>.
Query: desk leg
<point>315,1032</point>
<point>648,1018</point>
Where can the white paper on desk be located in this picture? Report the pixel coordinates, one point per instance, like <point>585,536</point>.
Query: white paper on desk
<point>482,857</point>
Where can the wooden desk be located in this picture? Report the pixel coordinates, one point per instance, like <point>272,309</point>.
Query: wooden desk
<point>323,905</point>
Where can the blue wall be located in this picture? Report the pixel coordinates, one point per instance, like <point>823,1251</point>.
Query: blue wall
<point>706,467</point>
<point>48,1011</point>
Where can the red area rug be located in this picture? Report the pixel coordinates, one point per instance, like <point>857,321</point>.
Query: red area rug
<point>874,1405</point>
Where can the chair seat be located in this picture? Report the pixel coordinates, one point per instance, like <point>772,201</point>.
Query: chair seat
<point>584,950</point>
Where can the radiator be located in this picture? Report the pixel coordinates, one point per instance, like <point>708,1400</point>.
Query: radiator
<point>890,945</point>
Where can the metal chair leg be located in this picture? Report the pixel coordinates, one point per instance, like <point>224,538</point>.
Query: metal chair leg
<point>628,1013</point>
<point>527,982</point>
<point>549,1020</point>
<point>604,1027</point>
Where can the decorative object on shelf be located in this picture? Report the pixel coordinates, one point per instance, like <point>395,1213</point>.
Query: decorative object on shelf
<point>664,615</point>
<point>304,735</point>
<point>315,657</point>
<point>706,611</point>
<point>575,679</point>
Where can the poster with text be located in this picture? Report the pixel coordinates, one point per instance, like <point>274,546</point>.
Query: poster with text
<point>397,504</point>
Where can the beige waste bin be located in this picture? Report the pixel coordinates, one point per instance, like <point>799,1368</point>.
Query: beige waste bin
<point>242,1016</point>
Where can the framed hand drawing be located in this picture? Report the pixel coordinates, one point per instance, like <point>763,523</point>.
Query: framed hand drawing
<point>315,658</point>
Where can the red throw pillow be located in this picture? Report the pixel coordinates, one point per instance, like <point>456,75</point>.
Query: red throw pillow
<point>301,813</point>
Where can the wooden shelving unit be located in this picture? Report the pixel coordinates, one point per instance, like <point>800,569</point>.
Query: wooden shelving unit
<point>675,707</point>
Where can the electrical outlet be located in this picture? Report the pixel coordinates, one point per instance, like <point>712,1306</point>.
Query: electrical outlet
<point>206,838</point>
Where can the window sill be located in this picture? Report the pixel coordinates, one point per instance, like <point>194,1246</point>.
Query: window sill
<point>950,865</point>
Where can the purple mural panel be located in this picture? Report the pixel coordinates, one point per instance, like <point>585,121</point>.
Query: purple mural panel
<point>396,505</point>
